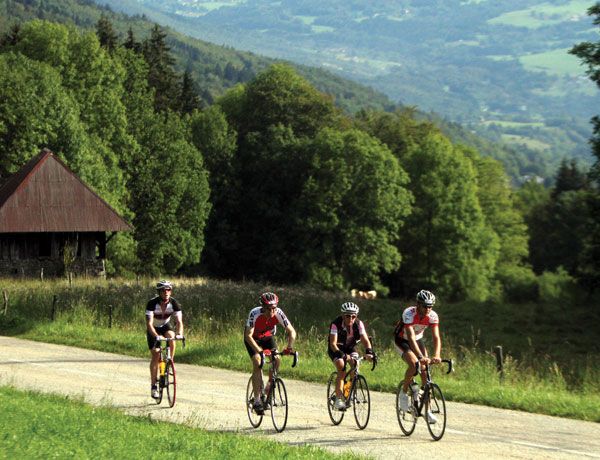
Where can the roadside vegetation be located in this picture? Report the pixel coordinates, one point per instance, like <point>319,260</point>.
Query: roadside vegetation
<point>36,426</point>
<point>547,369</point>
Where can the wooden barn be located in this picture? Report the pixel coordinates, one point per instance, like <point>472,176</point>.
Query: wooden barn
<point>51,222</point>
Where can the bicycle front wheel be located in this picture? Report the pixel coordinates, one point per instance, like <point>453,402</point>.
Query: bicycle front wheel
<point>335,415</point>
<point>361,400</point>
<point>406,419</point>
<point>170,382</point>
<point>279,405</point>
<point>255,419</point>
<point>435,412</point>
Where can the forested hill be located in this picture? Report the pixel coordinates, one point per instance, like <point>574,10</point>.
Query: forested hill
<point>273,181</point>
<point>216,68</point>
<point>501,68</point>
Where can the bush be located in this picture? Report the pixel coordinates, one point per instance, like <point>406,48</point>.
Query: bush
<point>556,286</point>
<point>519,283</point>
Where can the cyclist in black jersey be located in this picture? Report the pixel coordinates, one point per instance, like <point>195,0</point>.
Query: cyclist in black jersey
<point>159,311</point>
<point>344,334</point>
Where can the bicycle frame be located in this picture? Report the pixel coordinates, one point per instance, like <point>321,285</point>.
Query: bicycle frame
<point>420,403</point>
<point>354,373</point>
<point>166,369</point>
<point>275,399</point>
<point>427,402</point>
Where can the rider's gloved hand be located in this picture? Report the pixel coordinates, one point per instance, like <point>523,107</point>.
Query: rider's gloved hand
<point>179,336</point>
<point>288,351</point>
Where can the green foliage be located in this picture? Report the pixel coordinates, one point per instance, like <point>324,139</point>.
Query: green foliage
<point>169,197</point>
<point>556,287</point>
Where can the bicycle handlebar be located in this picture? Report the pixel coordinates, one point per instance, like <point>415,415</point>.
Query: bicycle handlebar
<point>275,353</point>
<point>449,362</point>
<point>169,339</point>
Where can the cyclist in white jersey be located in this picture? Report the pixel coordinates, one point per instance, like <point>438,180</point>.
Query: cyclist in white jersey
<point>408,340</point>
<point>159,311</point>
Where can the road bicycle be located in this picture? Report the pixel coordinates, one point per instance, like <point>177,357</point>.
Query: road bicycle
<point>275,399</point>
<point>166,369</point>
<point>356,395</point>
<point>427,402</point>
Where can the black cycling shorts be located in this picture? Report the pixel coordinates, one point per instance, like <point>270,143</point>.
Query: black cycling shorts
<point>344,350</point>
<point>268,343</point>
<point>160,330</point>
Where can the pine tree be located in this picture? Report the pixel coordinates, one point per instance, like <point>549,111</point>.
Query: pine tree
<point>106,33</point>
<point>161,75</point>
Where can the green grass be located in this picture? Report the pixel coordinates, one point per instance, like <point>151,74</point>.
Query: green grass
<point>545,371</point>
<point>37,426</point>
<point>543,14</point>
<point>555,62</point>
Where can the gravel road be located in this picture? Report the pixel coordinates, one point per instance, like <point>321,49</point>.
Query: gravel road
<point>214,399</point>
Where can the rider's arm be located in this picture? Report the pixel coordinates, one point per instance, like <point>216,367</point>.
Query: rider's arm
<point>291,335</point>
<point>150,323</point>
<point>248,331</point>
<point>437,344</point>
<point>179,327</point>
<point>364,339</point>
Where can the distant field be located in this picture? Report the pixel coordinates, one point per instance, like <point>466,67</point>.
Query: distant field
<point>556,62</point>
<point>544,14</point>
<point>533,144</point>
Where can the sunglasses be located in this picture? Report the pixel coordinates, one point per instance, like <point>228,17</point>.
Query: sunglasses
<point>166,289</point>
<point>350,316</point>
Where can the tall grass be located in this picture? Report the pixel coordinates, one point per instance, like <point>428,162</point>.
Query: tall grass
<point>543,372</point>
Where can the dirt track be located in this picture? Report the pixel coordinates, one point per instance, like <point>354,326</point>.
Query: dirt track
<point>214,399</point>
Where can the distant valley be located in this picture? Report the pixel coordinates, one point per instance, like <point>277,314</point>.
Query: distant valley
<point>501,69</point>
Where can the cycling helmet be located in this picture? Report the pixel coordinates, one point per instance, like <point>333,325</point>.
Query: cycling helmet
<point>163,284</point>
<point>269,299</point>
<point>349,308</point>
<point>425,298</point>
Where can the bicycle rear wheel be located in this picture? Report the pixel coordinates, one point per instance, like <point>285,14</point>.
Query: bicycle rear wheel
<point>279,405</point>
<point>361,400</point>
<point>335,415</point>
<point>406,419</point>
<point>255,419</point>
<point>170,382</point>
<point>435,411</point>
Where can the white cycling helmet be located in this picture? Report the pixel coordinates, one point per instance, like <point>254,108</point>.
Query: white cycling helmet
<point>426,298</point>
<point>164,284</point>
<point>349,308</point>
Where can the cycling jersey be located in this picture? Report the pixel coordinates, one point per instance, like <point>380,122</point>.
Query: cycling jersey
<point>155,313</point>
<point>265,326</point>
<point>410,317</point>
<point>346,338</point>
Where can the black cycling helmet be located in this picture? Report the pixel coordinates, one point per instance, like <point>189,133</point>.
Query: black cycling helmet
<point>269,299</point>
<point>425,298</point>
<point>164,284</point>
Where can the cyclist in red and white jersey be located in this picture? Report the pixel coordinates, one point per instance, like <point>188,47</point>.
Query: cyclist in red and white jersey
<point>259,335</point>
<point>159,311</point>
<point>408,340</point>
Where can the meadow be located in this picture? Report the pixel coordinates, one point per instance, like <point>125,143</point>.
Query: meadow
<point>37,426</point>
<point>549,368</point>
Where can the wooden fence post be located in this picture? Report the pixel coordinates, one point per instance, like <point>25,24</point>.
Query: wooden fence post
<point>5,297</point>
<point>54,302</point>
<point>110,314</point>
<point>499,361</point>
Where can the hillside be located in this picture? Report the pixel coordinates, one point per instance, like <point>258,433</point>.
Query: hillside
<point>500,68</point>
<point>215,68</point>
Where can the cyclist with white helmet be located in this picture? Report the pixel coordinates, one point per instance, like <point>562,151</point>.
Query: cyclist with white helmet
<point>344,334</point>
<point>259,335</point>
<point>408,340</point>
<point>159,311</point>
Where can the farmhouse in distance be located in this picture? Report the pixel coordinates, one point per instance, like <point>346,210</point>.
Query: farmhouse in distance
<point>52,223</point>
